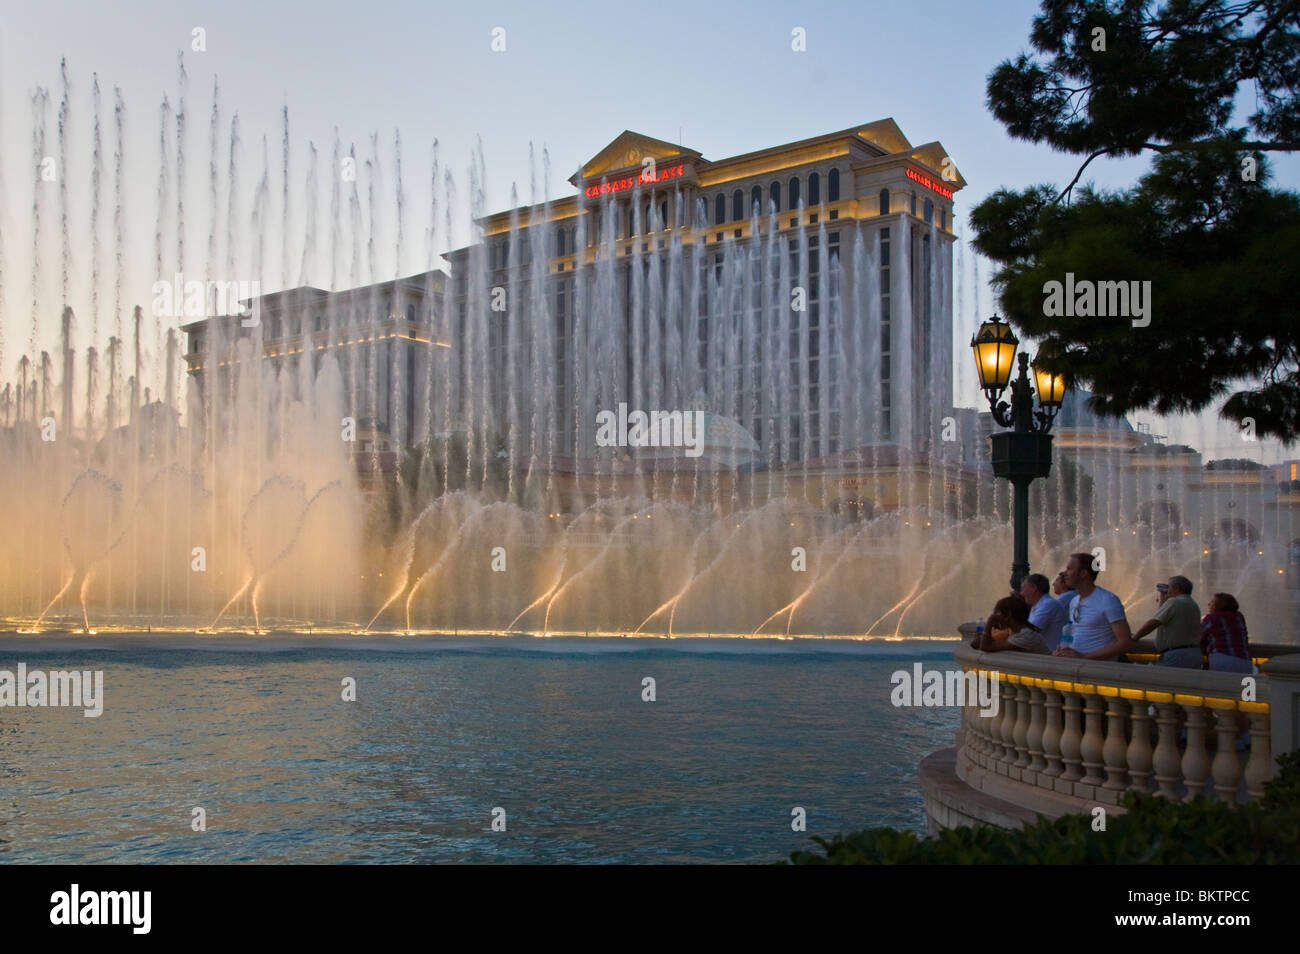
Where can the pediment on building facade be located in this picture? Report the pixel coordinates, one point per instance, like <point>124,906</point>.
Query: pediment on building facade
<point>885,134</point>
<point>629,150</point>
<point>932,154</point>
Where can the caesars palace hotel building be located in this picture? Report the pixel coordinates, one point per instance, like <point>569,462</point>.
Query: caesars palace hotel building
<point>802,294</point>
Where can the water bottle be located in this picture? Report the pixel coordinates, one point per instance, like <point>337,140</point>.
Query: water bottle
<point>1067,636</point>
<point>979,631</point>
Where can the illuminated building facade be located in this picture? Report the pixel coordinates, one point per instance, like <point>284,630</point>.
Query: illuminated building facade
<point>803,291</point>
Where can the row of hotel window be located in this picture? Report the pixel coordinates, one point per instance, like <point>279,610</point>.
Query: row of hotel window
<point>566,238</point>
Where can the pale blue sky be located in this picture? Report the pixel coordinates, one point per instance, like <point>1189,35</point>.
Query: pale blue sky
<point>721,75</point>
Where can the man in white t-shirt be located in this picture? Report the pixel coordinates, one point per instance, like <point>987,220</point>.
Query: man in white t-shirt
<point>1097,619</point>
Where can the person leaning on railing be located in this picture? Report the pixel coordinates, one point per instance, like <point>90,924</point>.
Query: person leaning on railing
<point>1098,625</point>
<point>1178,641</point>
<point>1008,628</point>
<point>1047,615</point>
<point>1223,636</point>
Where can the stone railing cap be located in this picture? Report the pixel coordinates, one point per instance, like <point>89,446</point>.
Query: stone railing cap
<point>1196,682</point>
<point>1288,665</point>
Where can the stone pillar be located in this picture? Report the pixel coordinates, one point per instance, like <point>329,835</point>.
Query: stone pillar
<point>1115,752</point>
<point>1226,767</point>
<point>1283,674</point>
<point>1034,739</point>
<point>1052,733</point>
<point>1167,763</point>
<point>1021,734</point>
<point>1090,750</point>
<point>1196,761</point>
<point>1259,769</point>
<point>1071,738</point>
<point>1139,746</point>
<point>1006,752</point>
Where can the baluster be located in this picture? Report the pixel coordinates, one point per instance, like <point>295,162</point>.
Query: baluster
<point>1091,749</point>
<point>1115,751</point>
<point>1259,769</point>
<point>1021,734</point>
<point>1071,737</point>
<point>1226,767</point>
<point>1196,761</point>
<point>963,740</point>
<point>977,726</point>
<point>1167,763</point>
<point>1007,726</point>
<point>1139,746</point>
<point>988,728</point>
<point>974,732</point>
<point>1034,738</point>
<point>1052,732</point>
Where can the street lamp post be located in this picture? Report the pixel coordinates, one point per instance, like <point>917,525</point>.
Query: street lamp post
<point>1024,452</point>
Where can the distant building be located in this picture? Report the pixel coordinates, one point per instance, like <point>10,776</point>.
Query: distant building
<point>387,340</point>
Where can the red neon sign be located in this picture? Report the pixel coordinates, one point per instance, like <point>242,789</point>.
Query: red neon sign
<point>628,182</point>
<point>929,183</point>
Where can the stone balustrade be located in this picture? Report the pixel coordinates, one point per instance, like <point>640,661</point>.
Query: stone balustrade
<point>1072,734</point>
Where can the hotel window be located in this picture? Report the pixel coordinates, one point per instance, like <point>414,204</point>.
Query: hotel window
<point>738,205</point>
<point>774,196</point>
<point>943,218</point>
<point>833,186</point>
<point>794,193</point>
<point>929,211</point>
<point>756,200</point>
<point>719,209</point>
<point>884,201</point>
<point>559,242</point>
<point>814,189</point>
<point>663,215</point>
<point>914,202</point>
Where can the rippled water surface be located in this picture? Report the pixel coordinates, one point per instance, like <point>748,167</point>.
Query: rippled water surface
<point>554,732</point>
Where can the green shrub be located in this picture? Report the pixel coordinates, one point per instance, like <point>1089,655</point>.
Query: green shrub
<point>1152,831</point>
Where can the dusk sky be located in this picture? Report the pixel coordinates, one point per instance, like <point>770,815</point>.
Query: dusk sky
<point>720,77</point>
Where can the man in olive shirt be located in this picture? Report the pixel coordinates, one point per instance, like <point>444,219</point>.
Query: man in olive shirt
<point>1179,623</point>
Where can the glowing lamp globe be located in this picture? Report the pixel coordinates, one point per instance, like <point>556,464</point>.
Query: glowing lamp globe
<point>994,345</point>
<point>1049,385</point>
